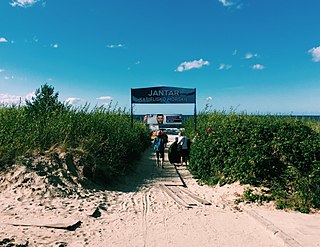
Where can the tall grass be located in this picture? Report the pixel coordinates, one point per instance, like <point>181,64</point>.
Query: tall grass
<point>103,137</point>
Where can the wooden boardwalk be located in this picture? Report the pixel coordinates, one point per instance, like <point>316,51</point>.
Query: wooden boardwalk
<point>172,183</point>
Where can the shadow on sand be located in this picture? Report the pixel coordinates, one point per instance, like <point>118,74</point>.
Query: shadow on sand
<point>144,173</point>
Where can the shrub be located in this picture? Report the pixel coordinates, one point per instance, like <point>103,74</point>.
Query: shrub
<point>275,151</point>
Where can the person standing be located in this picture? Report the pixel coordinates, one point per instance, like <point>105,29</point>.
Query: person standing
<point>184,149</point>
<point>173,153</point>
<point>165,136</point>
<point>159,146</point>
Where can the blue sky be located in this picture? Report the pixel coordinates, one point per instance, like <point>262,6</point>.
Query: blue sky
<point>248,55</point>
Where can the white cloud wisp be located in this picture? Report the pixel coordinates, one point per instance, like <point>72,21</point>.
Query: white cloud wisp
<point>24,3</point>
<point>72,100</point>
<point>315,53</point>
<point>3,40</point>
<point>258,67</point>
<point>8,99</point>
<point>224,66</point>
<point>196,64</point>
<point>112,46</point>
<point>226,3</point>
<point>105,98</point>
<point>249,55</point>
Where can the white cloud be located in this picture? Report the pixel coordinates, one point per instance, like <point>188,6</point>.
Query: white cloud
<point>55,45</point>
<point>235,52</point>
<point>23,3</point>
<point>196,64</point>
<point>258,67</point>
<point>30,95</point>
<point>1,70</point>
<point>8,77</point>
<point>209,98</point>
<point>315,52</point>
<point>115,46</point>
<point>224,66</point>
<point>8,99</point>
<point>105,98</point>
<point>3,40</point>
<point>234,3</point>
<point>72,100</point>
<point>226,3</point>
<point>249,55</point>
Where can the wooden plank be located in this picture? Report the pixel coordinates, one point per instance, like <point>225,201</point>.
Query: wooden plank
<point>182,196</point>
<point>195,197</point>
<point>64,226</point>
<point>174,197</point>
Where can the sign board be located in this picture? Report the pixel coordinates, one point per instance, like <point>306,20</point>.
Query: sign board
<point>164,119</point>
<point>163,95</point>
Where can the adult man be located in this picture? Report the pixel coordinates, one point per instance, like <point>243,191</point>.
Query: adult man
<point>160,118</point>
<point>184,143</point>
<point>159,146</point>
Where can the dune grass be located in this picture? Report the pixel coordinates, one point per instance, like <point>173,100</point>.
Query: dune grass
<point>103,136</point>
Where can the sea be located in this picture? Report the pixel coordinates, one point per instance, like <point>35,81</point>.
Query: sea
<point>185,117</point>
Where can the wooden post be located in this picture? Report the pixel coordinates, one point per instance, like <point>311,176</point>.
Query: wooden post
<point>131,110</point>
<point>195,111</point>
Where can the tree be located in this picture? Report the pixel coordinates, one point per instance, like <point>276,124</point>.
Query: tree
<point>44,102</point>
<point>40,109</point>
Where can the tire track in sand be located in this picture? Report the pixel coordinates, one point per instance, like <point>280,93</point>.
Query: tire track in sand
<point>145,211</point>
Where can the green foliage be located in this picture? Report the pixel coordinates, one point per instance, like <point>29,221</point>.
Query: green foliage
<point>104,137</point>
<point>12,123</point>
<point>40,110</point>
<point>259,197</point>
<point>45,101</point>
<point>279,152</point>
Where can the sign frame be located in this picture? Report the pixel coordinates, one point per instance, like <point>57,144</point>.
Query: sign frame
<point>164,95</point>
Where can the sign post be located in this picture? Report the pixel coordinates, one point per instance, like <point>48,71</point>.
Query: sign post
<point>195,112</point>
<point>164,95</point>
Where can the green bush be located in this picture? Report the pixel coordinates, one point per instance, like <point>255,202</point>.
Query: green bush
<point>279,152</point>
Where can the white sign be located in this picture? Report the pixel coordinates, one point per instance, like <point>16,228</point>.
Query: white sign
<point>164,118</point>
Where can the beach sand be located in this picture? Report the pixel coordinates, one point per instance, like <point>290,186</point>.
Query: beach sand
<point>150,206</point>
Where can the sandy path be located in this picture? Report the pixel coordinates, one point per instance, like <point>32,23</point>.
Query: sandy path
<point>136,212</point>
